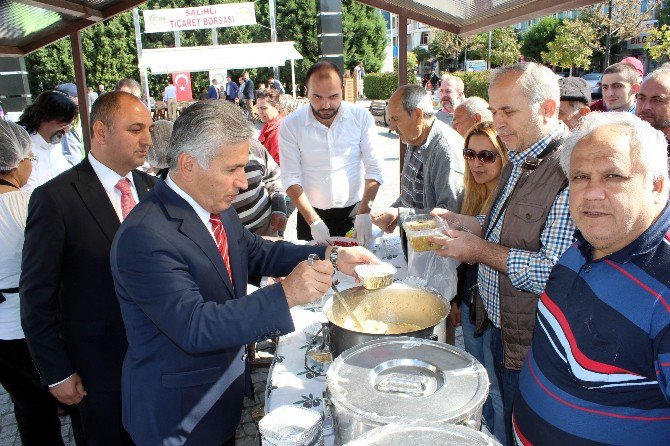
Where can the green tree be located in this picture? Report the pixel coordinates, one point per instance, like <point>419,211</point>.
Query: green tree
<point>449,47</point>
<point>364,30</point>
<point>572,46</point>
<point>615,21</point>
<point>658,42</point>
<point>535,39</point>
<point>505,46</point>
<point>421,54</point>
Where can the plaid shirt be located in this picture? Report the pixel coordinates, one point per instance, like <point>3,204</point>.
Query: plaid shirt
<point>411,182</point>
<point>527,270</point>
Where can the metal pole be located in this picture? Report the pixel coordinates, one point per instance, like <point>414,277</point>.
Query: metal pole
<point>293,76</point>
<point>273,31</point>
<point>144,78</point>
<point>488,62</point>
<point>215,36</point>
<point>82,93</point>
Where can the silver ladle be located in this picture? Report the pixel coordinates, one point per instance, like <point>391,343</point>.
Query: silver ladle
<point>310,261</point>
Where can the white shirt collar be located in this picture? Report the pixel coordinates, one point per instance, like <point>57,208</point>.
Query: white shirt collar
<point>107,176</point>
<point>202,213</point>
<point>40,142</point>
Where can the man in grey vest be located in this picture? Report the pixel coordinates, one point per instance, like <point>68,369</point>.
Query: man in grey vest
<point>529,225</point>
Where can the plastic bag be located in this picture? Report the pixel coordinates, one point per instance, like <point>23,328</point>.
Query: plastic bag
<point>438,272</point>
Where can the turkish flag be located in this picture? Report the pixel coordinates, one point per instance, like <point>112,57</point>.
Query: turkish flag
<point>182,80</point>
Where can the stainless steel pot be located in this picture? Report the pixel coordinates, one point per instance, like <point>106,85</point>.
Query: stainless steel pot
<point>404,380</point>
<point>424,434</point>
<point>421,310</point>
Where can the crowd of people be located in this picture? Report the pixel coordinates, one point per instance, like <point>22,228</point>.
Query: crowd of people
<point>125,288</point>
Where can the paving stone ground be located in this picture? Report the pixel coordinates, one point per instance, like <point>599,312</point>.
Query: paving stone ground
<point>247,433</point>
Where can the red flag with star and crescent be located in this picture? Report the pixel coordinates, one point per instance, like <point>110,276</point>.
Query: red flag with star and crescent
<point>182,80</point>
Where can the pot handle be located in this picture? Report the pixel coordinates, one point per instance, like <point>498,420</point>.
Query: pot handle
<point>433,337</point>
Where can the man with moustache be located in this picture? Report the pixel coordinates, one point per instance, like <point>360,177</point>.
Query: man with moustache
<point>529,224</point>
<point>653,101</point>
<point>47,121</point>
<point>329,166</point>
<point>69,310</point>
<point>452,93</point>
<point>598,371</point>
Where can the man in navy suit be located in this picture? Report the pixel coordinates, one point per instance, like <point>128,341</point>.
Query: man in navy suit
<point>181,279</point>
<point>231,90</point>
<point>213,92</point>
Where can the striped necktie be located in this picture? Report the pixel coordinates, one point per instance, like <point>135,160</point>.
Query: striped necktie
<point>221,241</point>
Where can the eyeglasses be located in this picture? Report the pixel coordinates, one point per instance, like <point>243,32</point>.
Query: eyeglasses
<point>485,156</point>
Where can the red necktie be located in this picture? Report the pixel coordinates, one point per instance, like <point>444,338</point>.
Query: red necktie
<point>221,241</point>
<point>127,200</point>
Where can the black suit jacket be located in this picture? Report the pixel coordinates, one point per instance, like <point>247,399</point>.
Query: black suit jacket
<point>69,309</point>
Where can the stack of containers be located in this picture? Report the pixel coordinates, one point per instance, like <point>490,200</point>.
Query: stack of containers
<point>291,426</point>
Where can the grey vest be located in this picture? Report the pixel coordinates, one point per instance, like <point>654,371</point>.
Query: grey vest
<point>523,223</point>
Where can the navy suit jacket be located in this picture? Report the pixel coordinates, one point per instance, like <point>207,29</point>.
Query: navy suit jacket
<point>213,92</point>
<point>233,88</point>
<point>69,309</point>
<point>186,323</point>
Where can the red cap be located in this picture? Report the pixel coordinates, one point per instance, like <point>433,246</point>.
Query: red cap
<point>636,63</point>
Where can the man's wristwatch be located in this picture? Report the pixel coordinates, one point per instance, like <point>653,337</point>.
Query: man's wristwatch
<point>333,256</point>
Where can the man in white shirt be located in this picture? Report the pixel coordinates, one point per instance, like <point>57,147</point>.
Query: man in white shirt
<point>452,93</point>
<point>47,120</point>
<point>330,168</point>
<point>170,99</point>
<point>69,309</point>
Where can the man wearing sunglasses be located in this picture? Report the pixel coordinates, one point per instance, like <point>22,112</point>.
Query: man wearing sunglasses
<point>528,227</point>
<point>432,175</point>
<point>48,120</point>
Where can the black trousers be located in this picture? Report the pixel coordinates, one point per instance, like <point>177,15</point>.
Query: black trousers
<point>101,418</point>
<point>36,410</point>
<point>339,221</point>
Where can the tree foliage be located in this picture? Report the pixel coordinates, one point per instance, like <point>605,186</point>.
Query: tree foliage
<point>110,51</point>
<point>505,46</point>
<point>535,39</point>
<point>364,30</point>
<point>449,47</point>
<point>658,42</point>
<point>572,46</point>
<point>617,23</point>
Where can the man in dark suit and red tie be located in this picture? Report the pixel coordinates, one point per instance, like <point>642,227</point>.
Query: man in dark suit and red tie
<point>180,265</point>
<point>69,309</point>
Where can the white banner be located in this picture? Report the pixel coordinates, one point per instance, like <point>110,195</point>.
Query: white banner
<point>637,42</point>
<point>212,16</point>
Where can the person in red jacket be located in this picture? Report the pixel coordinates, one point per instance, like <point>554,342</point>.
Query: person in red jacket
<point>267,103</point>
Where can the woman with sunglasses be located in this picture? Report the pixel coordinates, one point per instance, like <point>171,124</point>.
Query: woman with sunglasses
<point>35,409</point>
<point>485,156</point>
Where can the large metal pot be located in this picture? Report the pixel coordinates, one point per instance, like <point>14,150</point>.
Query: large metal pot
<point>404,380</point>
<point>422,309</point>
<point>424,434</point>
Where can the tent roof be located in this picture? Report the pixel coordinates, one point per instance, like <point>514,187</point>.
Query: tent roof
<point>27,25</point>
<point>205,58</point>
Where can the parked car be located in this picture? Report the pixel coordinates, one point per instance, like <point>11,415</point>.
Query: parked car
<point>594,80</point>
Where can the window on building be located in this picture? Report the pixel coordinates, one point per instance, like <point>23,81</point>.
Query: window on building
<point>424,39</point>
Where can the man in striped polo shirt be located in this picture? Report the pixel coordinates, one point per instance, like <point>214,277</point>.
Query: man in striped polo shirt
<point>599,367</point>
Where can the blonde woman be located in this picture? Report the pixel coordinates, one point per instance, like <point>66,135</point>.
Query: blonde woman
<point>485,155</point>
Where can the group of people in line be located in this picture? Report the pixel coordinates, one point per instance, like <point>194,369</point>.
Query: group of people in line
<point>126,293</point>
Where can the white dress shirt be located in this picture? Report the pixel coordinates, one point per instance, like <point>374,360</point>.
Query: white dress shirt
<point>330,163</point>
<point>50,162</point>
<point>109,179</point>
<point>170,92</point>
<point>203,214</point>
